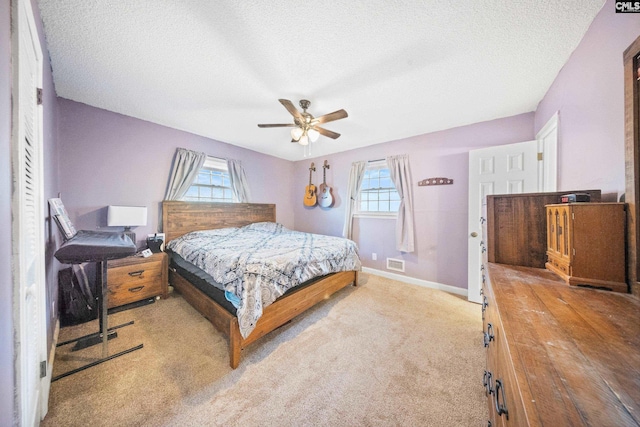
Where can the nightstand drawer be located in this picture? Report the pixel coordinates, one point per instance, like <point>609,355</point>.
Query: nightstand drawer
<point>136,279</point>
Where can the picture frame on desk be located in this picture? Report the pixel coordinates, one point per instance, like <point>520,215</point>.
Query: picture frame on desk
<point>61,217</point>
<point>66,227</point>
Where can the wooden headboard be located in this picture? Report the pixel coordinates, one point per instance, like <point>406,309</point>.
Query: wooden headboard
<point>179,218</point>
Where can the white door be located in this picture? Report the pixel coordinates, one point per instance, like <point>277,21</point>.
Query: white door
<point>28,217</point>
<point>505,169</point>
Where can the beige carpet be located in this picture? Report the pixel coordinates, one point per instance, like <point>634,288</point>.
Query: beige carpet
<point>382,354</point>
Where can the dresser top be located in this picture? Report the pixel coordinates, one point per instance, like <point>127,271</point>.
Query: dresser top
<point>575,351</point>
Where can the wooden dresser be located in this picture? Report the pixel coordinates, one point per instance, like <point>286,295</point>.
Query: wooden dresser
<point>586,244</point>
<point>516,224</point>
<point>559,355</point>
<point>136,278</point>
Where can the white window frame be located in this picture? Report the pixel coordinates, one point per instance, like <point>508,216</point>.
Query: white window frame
<point>379,164</point>
<point>216,165</point>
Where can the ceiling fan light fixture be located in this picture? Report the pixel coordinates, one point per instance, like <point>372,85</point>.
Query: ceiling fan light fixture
<point>296,133</point>
<point>306,127</point>
<point>313,135</point>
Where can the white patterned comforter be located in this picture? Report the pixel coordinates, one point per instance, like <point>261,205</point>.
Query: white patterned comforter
<point>259,262</point>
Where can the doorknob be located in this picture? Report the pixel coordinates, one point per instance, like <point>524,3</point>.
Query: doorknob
<point>474,234</point>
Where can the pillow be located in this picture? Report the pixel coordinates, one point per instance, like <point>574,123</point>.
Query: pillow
<point>270,227</point>
<point>195,235</point>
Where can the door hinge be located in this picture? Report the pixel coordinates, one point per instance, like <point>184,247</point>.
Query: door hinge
<point>43,369</point>
<point>540,156</point>
<point>39,96</point>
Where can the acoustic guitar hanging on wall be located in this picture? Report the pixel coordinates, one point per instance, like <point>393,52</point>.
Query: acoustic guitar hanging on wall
<point>310,196</point>
<point>325,198</point>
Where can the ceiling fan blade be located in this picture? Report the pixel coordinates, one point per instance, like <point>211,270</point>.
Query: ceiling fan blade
<point>326,132</point>
<point>336,115</point>
<point>291,108</point>
<point>288,125</point>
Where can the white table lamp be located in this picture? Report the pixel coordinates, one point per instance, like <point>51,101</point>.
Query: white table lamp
<point>127,217</point>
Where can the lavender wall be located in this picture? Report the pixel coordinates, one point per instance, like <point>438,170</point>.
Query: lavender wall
<point>440,211</point>
<point>110,159</point>
<point>589,95</point>
<point>6,285</point>
<point>51,183</point>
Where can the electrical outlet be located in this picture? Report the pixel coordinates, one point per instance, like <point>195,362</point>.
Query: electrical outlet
<point>374,256</point>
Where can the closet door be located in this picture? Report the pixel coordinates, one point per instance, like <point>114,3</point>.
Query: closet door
<point>28,219</point>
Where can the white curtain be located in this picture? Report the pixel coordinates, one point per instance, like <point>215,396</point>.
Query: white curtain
<point>239,182</point>
<point>186,165</point>
<point>401,177</point>
<point>355,181</point>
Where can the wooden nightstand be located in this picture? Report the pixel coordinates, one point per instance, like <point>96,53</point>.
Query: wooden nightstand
<point>136,278</point>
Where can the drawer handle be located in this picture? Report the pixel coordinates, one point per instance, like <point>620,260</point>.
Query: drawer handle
<point>136,289</point>
<point>136,273</point>
<point>500,408</point>
<point>486,382</point>
<point>485,303</point>
<point>488,336</point>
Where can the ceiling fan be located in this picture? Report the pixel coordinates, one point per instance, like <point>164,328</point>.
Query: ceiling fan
<point>305,125</point>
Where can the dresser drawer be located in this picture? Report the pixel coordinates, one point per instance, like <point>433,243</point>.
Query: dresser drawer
<point>503,398</point>
<point>128,282</point>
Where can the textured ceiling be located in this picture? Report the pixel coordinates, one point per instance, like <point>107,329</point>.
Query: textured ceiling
<point>399,68</point>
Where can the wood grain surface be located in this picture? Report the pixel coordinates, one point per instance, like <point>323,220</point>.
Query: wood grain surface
<point>571,355</point>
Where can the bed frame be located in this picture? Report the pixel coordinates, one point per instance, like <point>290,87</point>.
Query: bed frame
<point>179,218</point>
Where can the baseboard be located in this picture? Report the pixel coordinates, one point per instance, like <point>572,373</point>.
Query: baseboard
<point>419,282</point>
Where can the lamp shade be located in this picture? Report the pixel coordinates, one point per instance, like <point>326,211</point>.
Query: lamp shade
<point>296,133</point>
<point>313,135</point>
<point>126,216</point>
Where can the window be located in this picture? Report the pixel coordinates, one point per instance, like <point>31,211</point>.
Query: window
<point>377,193</point>
<point>212,183</point>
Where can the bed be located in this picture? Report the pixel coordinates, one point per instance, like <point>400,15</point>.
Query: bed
<point>180,218</point>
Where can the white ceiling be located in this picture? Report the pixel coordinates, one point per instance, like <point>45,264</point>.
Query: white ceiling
<point>399,68</point>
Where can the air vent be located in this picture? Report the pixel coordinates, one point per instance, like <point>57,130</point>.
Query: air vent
<point>395,264</point>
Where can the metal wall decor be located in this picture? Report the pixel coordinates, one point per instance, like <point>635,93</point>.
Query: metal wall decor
<point>435,181</point>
